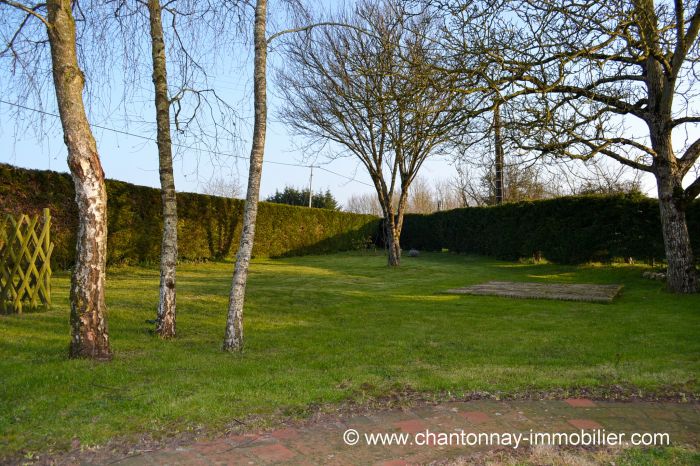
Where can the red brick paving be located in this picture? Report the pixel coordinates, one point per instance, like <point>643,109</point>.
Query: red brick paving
<point>585,424</point>
<point>476,417</point>
<point>322,443</point>
<point>273,453</point>
<point>208,448</point>
<point>580,403</point>
<point>411,426</point>
<point>285,434</point>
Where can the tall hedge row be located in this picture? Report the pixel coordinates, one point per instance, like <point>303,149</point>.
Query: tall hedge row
<point>568,230</point>
<point>208,227</point>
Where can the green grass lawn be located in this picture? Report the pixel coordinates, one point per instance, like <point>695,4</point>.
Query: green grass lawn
<point>323,329</point>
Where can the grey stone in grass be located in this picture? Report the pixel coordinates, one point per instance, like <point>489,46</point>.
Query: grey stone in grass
<point>654,275</point>
<point>413,253</point>
<point>558,291</point>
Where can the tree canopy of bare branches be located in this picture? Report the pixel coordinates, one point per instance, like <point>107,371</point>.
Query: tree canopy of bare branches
<point>613,79</point>
<point>373,91</point>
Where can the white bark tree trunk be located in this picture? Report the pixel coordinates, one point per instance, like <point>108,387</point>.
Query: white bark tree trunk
<point>233,339</point>
<point>165,321</point>
<point>89,333</point>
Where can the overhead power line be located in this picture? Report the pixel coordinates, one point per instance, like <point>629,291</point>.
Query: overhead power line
<point>343,176</point>
<point>182,146</point>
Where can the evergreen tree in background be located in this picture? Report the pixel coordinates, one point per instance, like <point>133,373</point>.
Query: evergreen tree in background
<point>293,196</point>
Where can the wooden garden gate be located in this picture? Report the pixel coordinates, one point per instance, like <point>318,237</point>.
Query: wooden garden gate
<point>25,263</point>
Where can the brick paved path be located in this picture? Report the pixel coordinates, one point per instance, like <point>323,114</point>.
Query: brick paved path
<point>322,443</point>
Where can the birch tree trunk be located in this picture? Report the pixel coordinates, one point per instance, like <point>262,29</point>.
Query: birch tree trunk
<point>89,334</point>
<point>165,321</point>
<point>233,340</point>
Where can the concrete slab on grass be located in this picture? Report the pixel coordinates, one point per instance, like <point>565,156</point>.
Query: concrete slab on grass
<point>561,291</point>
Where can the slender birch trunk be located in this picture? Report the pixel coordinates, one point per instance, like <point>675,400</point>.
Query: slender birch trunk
<point>233,340</point>
<point>89,334</point>
<point>165,321</point>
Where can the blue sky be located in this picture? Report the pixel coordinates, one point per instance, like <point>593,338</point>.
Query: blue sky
<point>136,160</point>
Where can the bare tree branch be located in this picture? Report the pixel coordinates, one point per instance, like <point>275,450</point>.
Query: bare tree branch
<point>29,10</point>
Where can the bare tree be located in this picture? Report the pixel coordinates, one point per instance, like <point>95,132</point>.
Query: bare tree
<point>606,180</point>
<point>589,75</point>
<point>421,198</point>
<point>372,90</point>
<point>521,182</point>
<point>223,187</point>
<point>89,333</point>
<point>365,203</point>
<point>426,196</point>
<point>233,339</point>
<point>165,318</point>
<point>446,196</point>
<point>461,183</point>
<point>189,23</point>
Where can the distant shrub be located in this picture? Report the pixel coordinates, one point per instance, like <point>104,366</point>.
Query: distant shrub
<point>293,196</point>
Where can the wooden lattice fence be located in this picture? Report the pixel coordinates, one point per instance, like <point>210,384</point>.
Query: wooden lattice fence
<point>25,263</point>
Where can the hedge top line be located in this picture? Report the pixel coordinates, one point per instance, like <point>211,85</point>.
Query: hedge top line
<point>525,203</point>
<point>16,169</point>
<point>7,166</point>
<point>571,229</point>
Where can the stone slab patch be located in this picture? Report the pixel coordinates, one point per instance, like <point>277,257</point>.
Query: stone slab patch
<point>558,291</point>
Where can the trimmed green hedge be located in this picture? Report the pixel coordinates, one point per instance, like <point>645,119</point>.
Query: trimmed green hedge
<point>568,230</point>
<point>208,226</point>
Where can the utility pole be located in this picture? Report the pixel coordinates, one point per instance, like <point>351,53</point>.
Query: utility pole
<point>311,178</point>
<point>498,143</point>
